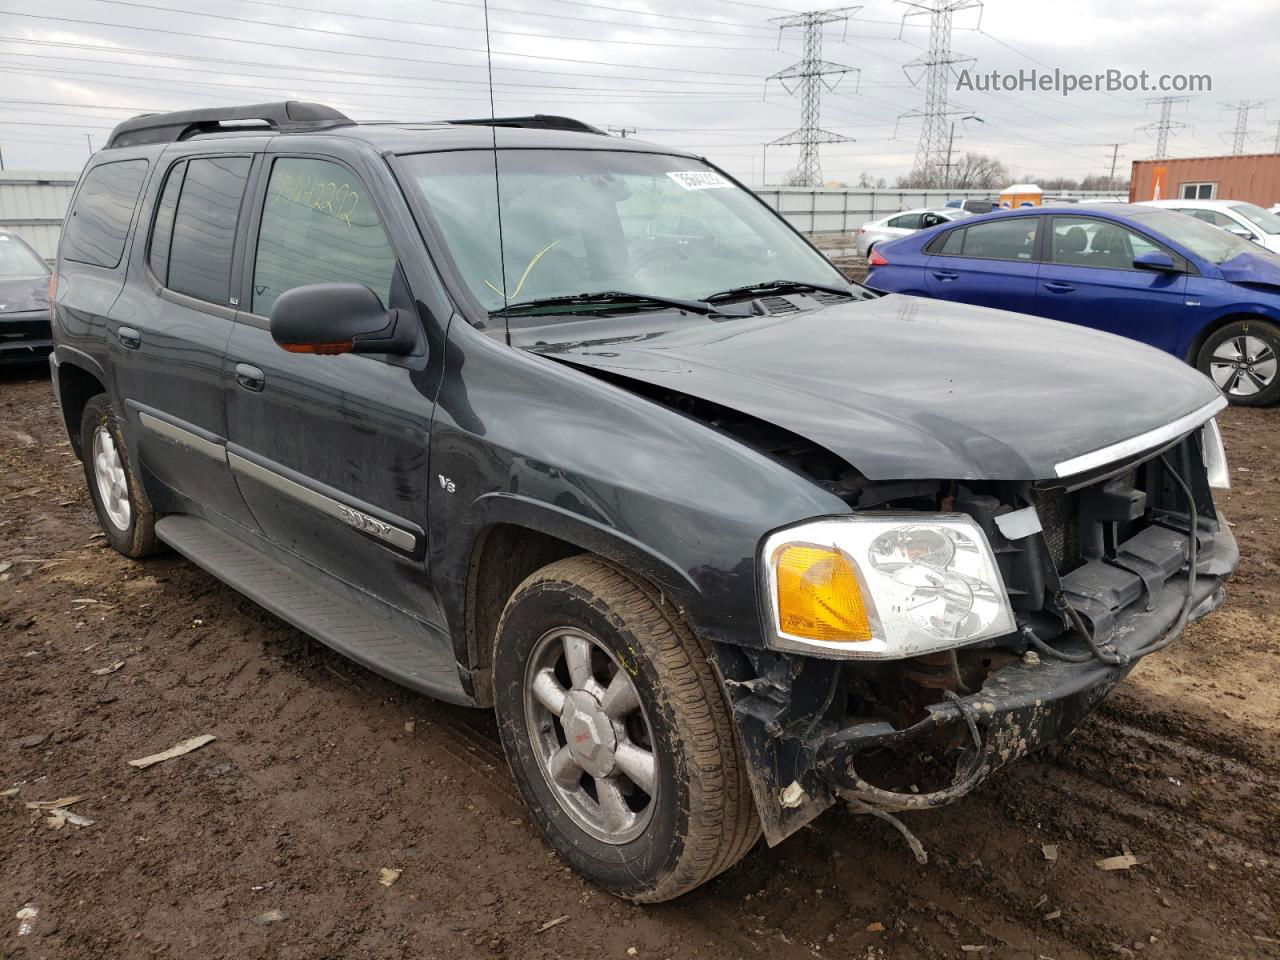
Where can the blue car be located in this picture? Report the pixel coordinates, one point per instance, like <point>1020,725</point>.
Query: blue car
<point>1150,274</point>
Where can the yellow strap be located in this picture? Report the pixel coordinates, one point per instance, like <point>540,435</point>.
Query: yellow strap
<point>524,276</point>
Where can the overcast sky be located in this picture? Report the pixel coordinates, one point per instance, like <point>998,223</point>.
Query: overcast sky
<point>690,73</point>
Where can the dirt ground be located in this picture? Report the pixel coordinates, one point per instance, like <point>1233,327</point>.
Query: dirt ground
<point>268,841</point>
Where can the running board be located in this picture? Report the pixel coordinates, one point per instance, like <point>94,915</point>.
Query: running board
<point>352,631</point>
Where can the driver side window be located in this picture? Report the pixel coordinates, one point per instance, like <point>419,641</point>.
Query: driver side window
<point>908,221</point>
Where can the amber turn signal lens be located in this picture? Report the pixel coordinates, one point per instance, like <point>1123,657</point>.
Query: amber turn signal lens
<point>819,597</point>
<point>325,349</point>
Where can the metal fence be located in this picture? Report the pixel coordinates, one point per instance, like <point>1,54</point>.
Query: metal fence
<point>32,205</point>
<point>817,210</point>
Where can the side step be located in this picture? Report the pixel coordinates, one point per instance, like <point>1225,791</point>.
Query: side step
<point>424,663</point>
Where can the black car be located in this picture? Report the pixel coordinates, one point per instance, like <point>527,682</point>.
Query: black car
<point>530,418</point>
<point>24,302</point>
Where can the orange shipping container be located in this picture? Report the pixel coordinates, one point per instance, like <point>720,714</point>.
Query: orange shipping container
<point>1253,177</point>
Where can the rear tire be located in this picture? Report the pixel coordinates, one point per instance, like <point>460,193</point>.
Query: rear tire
<point>1242,359</point>
<point>647,701</point>
<point>123,511</point>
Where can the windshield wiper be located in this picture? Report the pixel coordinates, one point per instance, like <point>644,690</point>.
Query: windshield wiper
<point>609,298</point>
<point>777,286</point>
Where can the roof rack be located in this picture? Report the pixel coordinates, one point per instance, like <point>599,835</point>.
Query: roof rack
<point>287,116</point>
<point>538,121</point>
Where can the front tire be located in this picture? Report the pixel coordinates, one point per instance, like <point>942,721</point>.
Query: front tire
<point>1241,358</point>
<point>123,511</point>
<point>618,732</point>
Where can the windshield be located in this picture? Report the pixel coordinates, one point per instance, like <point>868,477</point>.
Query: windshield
<point>593,221</point>
<point>17,260</point>
<point>1265,220</point>
<point>1204,240</point>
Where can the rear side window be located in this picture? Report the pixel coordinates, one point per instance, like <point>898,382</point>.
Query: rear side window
<point>1011,239</point>
<point>98,226</point>
<point>318,226</point>
<point>908,221</point>
<point>952,244</point>
<point>204,227</point>
<point>162,232</point>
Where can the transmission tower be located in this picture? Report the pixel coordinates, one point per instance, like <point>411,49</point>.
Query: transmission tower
<point>1276,148</point>
<point>1162,126</point>
<point>935,68</point>
<point>1241,133</point>
<point>809,77</point>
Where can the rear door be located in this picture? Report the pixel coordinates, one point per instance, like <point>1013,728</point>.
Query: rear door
<point>992,264</point>
<point>1088,278</point>
<point>169,333</point>
<point>331,452</point>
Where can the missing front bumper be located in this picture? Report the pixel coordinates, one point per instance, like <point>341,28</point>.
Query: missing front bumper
<point>802,759</point>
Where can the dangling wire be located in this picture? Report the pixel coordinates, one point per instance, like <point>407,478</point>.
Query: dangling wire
<point>497,183</point>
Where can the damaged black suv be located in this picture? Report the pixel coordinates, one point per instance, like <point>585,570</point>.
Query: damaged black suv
<point>576,428</point>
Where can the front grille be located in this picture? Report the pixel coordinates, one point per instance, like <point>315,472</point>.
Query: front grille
<point>1060,517</point>
<point>27,328</point>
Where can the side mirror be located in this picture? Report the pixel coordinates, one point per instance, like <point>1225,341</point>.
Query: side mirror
<point>1244,233</point>
<point>1155,260</point>
<point>332,318</point>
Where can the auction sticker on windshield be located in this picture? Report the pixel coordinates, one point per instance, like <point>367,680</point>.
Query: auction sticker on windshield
<point>699,179</point>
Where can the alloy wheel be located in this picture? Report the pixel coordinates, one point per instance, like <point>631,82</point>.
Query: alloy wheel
<point>590,734</point>
<point>1243,365</point>
<point>108,471</point>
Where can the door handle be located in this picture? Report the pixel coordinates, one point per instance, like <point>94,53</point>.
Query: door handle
<point>129,338</point>
<point>945,275</point>
<point>251,378</point>
<point>1058,286</point>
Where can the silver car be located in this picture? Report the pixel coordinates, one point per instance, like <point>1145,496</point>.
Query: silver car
<point>902,223</point>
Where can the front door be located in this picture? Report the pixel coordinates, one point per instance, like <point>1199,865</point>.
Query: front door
<point>1088,278</point>
<point>331,452</point>
<point>170,331</point>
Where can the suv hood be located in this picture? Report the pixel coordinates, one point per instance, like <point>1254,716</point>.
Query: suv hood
<point>909,388</point>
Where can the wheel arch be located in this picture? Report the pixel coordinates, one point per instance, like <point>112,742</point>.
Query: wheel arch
<point>1192,352</point>
<point>77,382</point>
<point>518,537</point>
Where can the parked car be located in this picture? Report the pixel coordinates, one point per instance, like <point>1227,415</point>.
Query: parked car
<point>1151,274</point>
<point>24,302</point>
<point>903,223</point>
<point>1248,221</point>
<point>703,522</point>
<point>974,206</point>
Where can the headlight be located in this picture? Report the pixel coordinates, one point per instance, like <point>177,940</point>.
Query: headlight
<point>883,586</point>
<point>1215,456</point>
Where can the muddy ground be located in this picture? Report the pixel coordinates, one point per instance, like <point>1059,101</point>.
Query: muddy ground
<point>322,773</point>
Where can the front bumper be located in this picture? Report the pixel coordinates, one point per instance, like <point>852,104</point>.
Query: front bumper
<point>25,336</point>
<point>800,765</point>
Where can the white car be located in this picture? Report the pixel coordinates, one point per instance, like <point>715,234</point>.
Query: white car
<point>902,223</point>
<point>1246,220</point>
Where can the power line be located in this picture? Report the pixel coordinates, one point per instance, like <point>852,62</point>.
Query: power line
<point>811,72</point>
<point>541,14</point>
<point>936,67</point>
<point>1164,125</point>
<point>133,51</point>
<point>416,23</point>
<point>349,53</point>
<point>1241,132</point>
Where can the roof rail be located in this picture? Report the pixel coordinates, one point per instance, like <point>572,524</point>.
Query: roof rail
<point>287,116</point>
<point>538,121</point>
